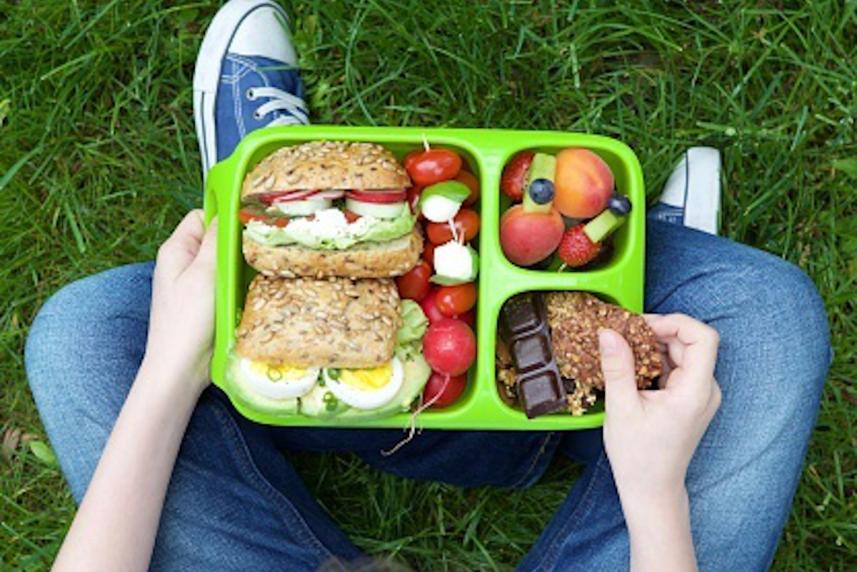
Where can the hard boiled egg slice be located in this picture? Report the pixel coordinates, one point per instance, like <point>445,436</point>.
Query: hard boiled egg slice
<point>368,388</point>
<point>278,381</point>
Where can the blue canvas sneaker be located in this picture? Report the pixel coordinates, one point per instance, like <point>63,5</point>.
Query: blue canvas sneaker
<point>691,196</point>
<point>246,77</point>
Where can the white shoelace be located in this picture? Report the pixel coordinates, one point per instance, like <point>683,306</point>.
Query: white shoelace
<point>280,100</point>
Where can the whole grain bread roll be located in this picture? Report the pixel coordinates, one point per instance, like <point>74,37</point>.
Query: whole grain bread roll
<point>363,260</point>
<point>304,322</point>
<point>326,165</point>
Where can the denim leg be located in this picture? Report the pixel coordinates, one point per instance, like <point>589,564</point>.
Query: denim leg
<point>773,360</point>
<point>234,502</point>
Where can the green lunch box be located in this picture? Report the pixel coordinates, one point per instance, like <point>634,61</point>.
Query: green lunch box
<point>486,151</point>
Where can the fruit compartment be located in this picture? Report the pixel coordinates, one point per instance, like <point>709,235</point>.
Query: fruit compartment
<point>485,151</point>
<point>620,245</point>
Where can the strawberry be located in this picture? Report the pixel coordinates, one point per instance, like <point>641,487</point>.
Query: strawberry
<point>581,243</point>
<point>575,249</point>
<point>515,175</point>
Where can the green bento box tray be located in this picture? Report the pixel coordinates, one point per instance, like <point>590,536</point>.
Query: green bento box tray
<point>486,151</point>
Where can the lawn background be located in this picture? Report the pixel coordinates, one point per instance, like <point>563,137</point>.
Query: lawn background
<point>98,161</point>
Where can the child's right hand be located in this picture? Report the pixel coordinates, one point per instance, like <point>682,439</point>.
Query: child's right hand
<point>650,436</point>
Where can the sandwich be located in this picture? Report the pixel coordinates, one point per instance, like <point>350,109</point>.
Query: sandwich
<point>329,208</point>
<point>334,347</point>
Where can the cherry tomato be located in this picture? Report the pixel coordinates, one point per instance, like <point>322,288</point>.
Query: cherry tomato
<point>472,183</point>
<point>466,223</point>
<point>384,197</point>
<point>430,309</point>
<point>350,216</point>
<point>443,390</point>
<point>415,283</point>
<point>414,197</point>
<point>455,300</point>
<point>432,166</point>
<point>515,174</point>
<point>449,346</point>
<point>428,253</point>
<point>468,317</point>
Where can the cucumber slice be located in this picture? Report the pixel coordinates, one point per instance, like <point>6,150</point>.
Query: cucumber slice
<point>455,264</point>
<point>304,207</point>
<point>377,210</point>
<point>543,167</point>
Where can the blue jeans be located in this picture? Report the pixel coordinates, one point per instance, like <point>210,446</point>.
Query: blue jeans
<point>236,503</point>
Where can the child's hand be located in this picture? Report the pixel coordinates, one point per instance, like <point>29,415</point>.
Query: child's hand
<point>181,324</point>
<point>650,436</point>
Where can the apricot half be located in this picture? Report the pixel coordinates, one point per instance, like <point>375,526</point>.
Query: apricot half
<point>527,238</point>
<point>583,183</point>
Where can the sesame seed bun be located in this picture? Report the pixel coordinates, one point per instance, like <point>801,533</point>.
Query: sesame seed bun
<point>326,165</point>
<point>305,322</point>
<point>365,260</point>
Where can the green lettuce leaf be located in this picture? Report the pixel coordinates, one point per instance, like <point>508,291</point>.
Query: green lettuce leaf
<point>377,230</point>
<point>409,338</point>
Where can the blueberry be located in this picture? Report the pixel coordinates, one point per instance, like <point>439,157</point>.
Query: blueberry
<point>541,191</point>
<point>619,205</point>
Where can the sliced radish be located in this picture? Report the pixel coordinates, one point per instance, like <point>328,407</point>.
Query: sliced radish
<point>304,207</point>
<point>377,210</point>
<point>379,196</point>
<point>331,194</point>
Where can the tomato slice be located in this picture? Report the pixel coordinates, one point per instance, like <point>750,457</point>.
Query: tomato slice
<point>246,216</point>
<point>382,196</point>
<point>350,216</point>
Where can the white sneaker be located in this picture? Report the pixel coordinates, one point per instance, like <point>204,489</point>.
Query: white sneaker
<point>691,196</point>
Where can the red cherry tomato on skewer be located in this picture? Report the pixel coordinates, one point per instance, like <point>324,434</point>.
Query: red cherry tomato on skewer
<point>466,223</point>
<point>427,167</point>
<point>428,253</point>
<point>472,183</point>
<point>452,301</point>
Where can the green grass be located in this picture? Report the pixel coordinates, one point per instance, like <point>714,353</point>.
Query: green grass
<point>98,160</point>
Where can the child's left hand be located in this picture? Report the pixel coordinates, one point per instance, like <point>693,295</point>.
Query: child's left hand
<point>181,324</point>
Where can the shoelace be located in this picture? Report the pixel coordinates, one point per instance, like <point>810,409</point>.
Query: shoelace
<point>280,100</point>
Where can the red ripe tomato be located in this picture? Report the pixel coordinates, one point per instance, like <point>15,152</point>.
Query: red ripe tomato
<point>472,183</point>
<point>246,216</point>
<point>432,166</point>
<point>384,197</point>
<point>414,197</point>
<point>415,283</point>
<point>350,216</point>
<point>452,301</point>
<point>430,309</point>
<point>443,390</point>
<point>428,253</point>
<point>466,223</point>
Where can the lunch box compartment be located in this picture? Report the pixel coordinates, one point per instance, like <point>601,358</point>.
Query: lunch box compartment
<point>485,151</point>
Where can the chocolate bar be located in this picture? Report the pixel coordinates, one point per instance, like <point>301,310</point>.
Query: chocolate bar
<point>524,329</point>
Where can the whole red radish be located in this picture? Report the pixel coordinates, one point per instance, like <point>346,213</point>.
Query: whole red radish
<point>429,306</point>
<point>515,175</point>
<point>443,390</point>
<point>449,346</point>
